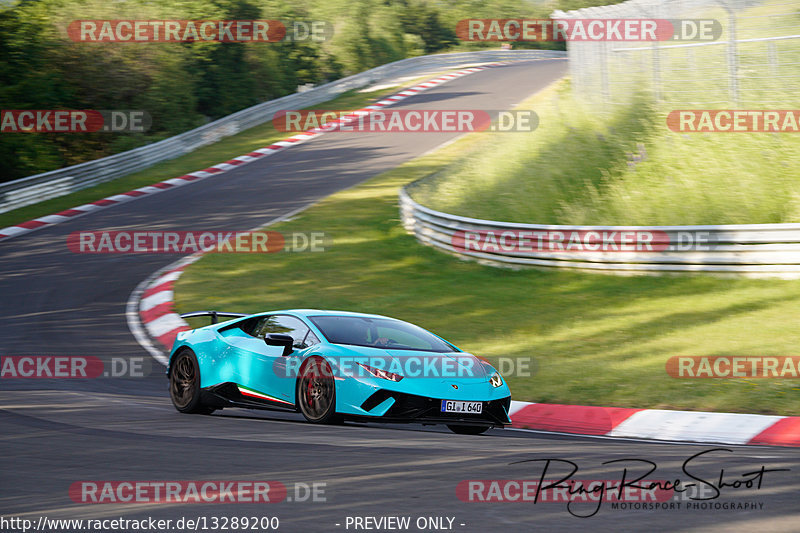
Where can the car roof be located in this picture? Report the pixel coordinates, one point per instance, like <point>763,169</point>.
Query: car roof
<point>321,312</point>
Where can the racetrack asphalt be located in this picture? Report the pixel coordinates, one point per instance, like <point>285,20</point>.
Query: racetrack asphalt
<point>55,432</point>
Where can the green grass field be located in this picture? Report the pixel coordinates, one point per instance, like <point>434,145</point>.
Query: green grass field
<point>627,168</point>
<point>595,339</point>
<point>621,165</point>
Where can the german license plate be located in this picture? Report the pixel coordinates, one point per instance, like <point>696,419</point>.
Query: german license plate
<point>470,408</point>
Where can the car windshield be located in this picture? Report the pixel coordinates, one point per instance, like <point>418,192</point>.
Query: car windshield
<point>378,333</point>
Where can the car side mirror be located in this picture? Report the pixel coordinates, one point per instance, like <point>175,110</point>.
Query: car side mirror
<point>280,339</point>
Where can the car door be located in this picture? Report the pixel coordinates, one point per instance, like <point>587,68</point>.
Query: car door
<point>263,368</point>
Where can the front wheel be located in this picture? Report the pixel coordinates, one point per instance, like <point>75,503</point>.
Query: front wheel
<point>184,384</point>
<point>316,392</point>
<point>467,430</point>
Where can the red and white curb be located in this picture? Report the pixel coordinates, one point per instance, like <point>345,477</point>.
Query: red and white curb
<point>151,312</point>
<point>57,218</point>
<point>156,310</point>
<point>658,424</point>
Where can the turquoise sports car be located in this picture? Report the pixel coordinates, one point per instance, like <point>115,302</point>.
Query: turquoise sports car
<point>333,366</point>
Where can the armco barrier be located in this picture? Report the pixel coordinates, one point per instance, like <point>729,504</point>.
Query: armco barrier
<point>753,250</point>
<point>40,187</point>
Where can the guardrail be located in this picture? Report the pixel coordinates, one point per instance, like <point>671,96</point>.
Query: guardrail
<point>26,191</point>
<point>753,250</point>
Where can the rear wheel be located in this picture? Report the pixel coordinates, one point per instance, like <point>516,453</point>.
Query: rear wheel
<point>316,392</point>
<point>467,430</point>
<point>184,384</point>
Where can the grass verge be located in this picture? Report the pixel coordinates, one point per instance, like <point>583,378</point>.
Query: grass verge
<point>622,169</point>
<point>621,165</point>
<point>595,339</point>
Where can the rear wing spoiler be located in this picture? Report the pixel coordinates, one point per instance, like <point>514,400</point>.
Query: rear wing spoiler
<point>214,315</point>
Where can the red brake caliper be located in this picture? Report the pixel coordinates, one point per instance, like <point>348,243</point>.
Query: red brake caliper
<point>310,392</point>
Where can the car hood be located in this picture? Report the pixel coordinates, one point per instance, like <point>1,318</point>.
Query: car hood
<point>413,363</point>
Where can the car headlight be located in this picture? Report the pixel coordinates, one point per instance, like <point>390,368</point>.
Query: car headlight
<point>380,373</point>
<point>496,380</point>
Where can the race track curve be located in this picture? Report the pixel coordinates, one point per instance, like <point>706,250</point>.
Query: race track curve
<point>57,432</point>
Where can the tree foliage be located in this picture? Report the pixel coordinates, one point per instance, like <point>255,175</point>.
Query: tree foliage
<point>183,85</point>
